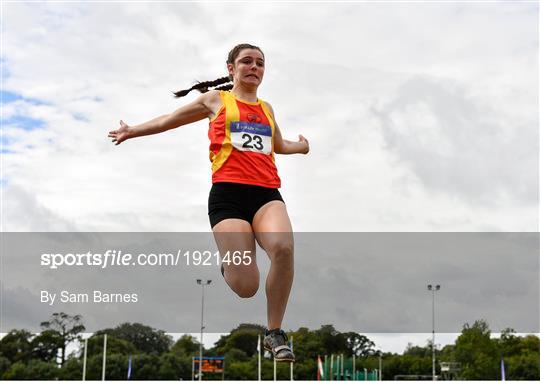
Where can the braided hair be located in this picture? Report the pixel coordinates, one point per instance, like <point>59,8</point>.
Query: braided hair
<point>203,87</point>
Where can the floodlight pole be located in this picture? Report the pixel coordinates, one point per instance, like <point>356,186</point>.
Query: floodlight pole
<point>202,284</point>
<point>433,290</point>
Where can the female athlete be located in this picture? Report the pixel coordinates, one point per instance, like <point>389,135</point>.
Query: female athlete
<point>244,203</point>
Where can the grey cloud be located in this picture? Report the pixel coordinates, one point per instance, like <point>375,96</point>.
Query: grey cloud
<point>23,212</point>
<point>459,146</point>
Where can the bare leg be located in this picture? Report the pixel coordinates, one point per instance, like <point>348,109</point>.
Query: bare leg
<point>236,235</point>
<point>273,231</point>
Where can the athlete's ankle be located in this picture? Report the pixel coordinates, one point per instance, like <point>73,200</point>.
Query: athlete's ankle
<point>270,331</point>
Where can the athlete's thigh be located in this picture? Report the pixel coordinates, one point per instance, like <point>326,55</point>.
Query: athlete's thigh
<point>272,227</point>
<point>235,235</point>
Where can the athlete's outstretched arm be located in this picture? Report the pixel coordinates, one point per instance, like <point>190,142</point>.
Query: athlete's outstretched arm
<point>283,146</point>
<point>189,113</point>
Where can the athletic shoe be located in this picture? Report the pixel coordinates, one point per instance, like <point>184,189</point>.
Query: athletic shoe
<point>275,341</point>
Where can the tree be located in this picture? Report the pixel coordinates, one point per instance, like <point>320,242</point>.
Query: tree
<point>509,343</point>
<point>186,345</point>
<point>4,365</point>
<point>243,338</point>
<point>15,346</point>
<point>418,351</point>
<point>359,345</point>
<point>173,366</point>
<point>68,327</point>
<point>146,339</point>
<point>114,346</point>
<point>477,352</point>
<point>332,341</point>
<point>34,370</point>
<point>525,366</point>
<point>45,345</point>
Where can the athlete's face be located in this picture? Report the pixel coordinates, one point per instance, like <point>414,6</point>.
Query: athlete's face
<point>248,67</point>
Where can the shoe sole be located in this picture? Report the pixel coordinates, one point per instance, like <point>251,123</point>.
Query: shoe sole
<point>289,360</point>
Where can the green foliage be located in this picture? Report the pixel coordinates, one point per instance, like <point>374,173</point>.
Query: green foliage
<point>235,355</point>
<point>523,367</point>
<point>145,367</point>
<point>144,338</point>
<point>173,366</point>
<point>418,351</point>
<point>46,344</point>
<point>72,370</point>
<point>67,329</point>
<point>241,371</point>
<point>477,353</point>
<point>114,346</point>
<point>186,346</point>
<point>244,338</point>
<point>24,356</point>
<point>4,365</point>
<point>358,344</point>
<point>411,363</point>
<point>15,346</point>
<point>33,370</point>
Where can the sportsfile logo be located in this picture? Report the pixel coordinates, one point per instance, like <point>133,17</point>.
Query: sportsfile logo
<point>118,258</point>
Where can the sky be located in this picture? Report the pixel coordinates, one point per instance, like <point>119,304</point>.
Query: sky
<point>421,116</point>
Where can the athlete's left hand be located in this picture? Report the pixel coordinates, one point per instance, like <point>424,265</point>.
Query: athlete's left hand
<point>305,142</point>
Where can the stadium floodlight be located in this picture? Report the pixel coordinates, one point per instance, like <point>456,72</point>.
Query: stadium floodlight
<point>433,290</point>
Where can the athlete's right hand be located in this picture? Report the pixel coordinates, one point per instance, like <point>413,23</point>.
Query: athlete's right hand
<point>120,135</point>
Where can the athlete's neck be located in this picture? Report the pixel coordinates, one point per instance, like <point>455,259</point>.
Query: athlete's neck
<point>249,95</point>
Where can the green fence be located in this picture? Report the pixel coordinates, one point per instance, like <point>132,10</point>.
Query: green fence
<point>339,368</point>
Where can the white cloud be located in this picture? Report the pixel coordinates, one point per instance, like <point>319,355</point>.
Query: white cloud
<point>452,144</point>
<point>421,117</point>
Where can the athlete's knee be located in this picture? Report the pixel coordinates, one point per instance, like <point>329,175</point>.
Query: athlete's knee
<point>282,251</point>
<point>246,289</point>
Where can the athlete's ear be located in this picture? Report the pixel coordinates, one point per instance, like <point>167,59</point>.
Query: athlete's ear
<point>230,68</point>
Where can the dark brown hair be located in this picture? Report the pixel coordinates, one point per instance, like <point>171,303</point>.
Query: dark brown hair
<point>203,87</point>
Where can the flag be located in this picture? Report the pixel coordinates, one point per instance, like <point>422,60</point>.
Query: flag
<point>129,368</point>
<point>259,343</point>
<point>503,373</point>
<point>320,371</point>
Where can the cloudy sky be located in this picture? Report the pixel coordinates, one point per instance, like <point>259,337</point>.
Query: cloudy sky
<point>422,117</point>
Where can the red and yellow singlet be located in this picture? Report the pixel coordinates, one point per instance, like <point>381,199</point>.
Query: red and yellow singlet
<point>242,143</point>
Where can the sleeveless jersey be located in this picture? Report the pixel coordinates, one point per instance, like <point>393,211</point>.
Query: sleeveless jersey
<point>242,143</point>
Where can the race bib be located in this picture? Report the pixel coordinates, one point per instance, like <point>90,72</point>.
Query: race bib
<point>249,136</point>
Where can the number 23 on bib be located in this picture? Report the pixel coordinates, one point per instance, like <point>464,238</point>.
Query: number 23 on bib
<point>249,136</point>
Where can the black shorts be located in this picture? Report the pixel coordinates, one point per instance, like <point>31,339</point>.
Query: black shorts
<point>238,201</point>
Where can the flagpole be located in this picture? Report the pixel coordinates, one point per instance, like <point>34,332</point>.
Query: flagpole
<point>503,372</point>
<point>274,368</point>
<point>84,362</point>
<point>320,370</point>
<point>129,368</point>
<point>342,373</point>
<point>292,363</point>
<point>259,355</point>
<point>104,357</point>
<point>326,365</point>
<point>354,367</point>
<point>331,367</point>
